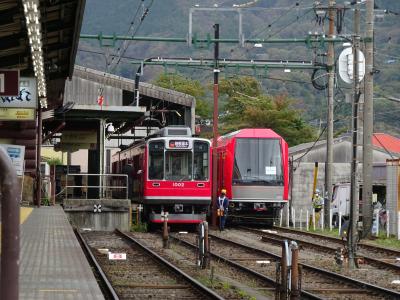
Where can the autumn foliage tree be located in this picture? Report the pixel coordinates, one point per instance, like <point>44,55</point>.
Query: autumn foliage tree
<point>248,107</point>
<point>245,106</point>
<point>188,86</point>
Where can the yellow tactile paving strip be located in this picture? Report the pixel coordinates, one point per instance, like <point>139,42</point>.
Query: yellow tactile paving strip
<point>24,214</point>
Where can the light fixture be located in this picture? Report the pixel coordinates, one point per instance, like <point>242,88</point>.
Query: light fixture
<point>110,128</point>
<point>32,17</point>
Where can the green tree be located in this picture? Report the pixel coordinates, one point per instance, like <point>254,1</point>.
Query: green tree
<point>188,86</point>
<point>248,107</point>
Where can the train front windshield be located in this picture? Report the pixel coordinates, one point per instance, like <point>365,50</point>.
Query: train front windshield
<point>257,162</point>
<point>179,164</point>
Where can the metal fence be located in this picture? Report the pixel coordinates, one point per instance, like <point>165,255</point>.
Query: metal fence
<point>96,186</point>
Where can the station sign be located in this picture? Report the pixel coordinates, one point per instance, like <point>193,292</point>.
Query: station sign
<point>9,83</point>
<point>72,169</point>
<point>17,114</point>
<point>17,155</point>
<point>25,98</point>
<point>73,147</point>
<point>79,137</point>
<point>116,256</point>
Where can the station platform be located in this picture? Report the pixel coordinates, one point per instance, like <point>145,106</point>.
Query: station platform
<point>53,265</point>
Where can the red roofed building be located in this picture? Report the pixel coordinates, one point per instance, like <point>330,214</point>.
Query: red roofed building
<point>387,142</point>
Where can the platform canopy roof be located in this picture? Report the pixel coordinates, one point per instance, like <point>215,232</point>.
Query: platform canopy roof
<point>60,27</point>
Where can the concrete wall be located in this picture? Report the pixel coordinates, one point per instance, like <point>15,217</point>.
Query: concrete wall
<point>114,214</point>
<point>303,178</point>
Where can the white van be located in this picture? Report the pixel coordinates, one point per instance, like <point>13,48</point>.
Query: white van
<point>340,202</point>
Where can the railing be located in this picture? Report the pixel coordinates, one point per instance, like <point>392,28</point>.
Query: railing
<point>96,186</point>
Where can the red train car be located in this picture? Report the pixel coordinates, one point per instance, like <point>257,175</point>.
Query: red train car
<point>253,168</point>
<point>170,173</point>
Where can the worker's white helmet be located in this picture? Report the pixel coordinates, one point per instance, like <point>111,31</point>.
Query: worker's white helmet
<point>317,191</point>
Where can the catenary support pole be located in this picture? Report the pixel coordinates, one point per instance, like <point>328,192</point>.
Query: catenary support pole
<point>295,286</point>
<point>329,138</point>
<point>284,271</point>
<point>368,116</point>
<point>215,130</point>
<point>10,228</point>
<point>38,195</point>
<point>352,231</point>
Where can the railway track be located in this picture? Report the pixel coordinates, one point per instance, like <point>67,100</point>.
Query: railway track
<point>143,275</point>
<point>362,246</point>
<point>375,256</point>
<point>318,283</point>
<point>237,263</point>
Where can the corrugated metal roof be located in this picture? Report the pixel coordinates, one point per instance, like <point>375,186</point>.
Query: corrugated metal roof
<point>386,141</point>
<point>120,83</point>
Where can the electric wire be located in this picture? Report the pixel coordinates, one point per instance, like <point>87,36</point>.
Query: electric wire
<point>146,11</point>
<point>276,19</point>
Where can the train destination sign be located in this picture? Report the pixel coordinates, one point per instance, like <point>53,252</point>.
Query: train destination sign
<point>179,144</point>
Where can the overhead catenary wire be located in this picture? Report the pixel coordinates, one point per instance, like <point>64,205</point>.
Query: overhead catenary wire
<point>127,43</point>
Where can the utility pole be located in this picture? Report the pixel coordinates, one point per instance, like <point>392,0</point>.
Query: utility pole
<point>368,120</point>
<point>215,130</point>
<point>329,138</point>
<point>352,231</point>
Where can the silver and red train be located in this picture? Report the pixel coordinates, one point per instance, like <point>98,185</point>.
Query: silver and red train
<point>171,172</point>
<point>253,168</point>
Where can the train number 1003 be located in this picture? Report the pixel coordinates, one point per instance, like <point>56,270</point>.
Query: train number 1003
<point>178,184</point>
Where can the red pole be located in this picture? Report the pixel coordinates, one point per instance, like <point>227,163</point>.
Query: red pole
<point>215,131</point>
<point>10,229</point>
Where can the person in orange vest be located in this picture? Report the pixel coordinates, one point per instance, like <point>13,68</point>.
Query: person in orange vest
<point>222,209</point>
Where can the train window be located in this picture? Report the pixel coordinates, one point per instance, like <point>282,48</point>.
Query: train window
<point>156,160</point>
<point>200,160</point>
<point>258,161</point>
<point>178,165</point>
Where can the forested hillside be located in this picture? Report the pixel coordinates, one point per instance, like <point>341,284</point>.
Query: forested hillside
<point>264,19</point>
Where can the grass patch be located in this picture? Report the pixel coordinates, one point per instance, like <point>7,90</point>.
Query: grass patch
<point>141,227</point>
<point>224,286</point>
<point>383,241</point>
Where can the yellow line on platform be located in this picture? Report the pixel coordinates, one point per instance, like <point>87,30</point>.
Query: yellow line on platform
<point>24,214</point>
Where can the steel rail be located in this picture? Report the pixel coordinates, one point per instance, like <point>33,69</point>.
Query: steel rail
<point>268,280</point>
<point>334,239</point>
<point>196,284</point>
<point>99,270</point>
<point>377,289</point>
<point>277,239</point>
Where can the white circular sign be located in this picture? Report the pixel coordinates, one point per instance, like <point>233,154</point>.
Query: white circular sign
<point>346,65</point>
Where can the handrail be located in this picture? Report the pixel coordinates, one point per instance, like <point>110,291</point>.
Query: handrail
<point>10,228</point>
<point>101,185</point>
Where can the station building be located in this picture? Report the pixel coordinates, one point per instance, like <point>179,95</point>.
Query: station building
<point>386,152</point>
